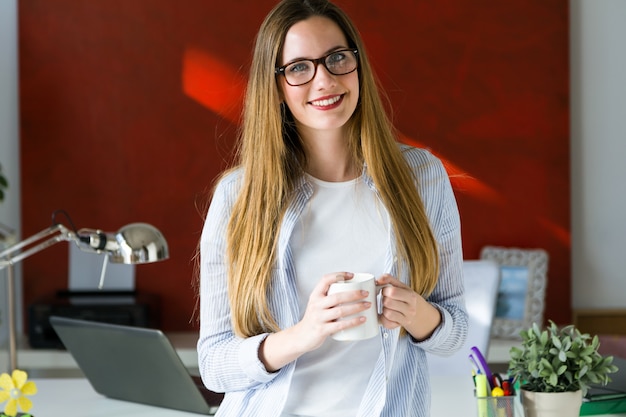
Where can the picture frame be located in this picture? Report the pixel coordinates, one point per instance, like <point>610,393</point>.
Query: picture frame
<point>521,296</point>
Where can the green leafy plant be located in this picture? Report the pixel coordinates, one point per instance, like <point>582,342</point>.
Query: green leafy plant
<point>4,184</point>
<point>559,360</point>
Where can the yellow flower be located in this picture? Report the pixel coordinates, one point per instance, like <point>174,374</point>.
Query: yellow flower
<point>13,388</point>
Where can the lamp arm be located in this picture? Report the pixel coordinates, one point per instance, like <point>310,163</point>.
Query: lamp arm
<point>14,254</point>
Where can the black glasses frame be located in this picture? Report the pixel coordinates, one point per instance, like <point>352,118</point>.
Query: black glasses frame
<point>316,62</point>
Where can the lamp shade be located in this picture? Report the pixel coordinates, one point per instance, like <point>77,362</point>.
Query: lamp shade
<point>139,243</point>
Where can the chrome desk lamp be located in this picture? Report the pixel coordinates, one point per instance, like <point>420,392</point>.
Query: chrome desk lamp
<point>135,243</point>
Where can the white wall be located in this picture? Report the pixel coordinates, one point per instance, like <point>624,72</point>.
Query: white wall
<point>598,146</point>
<point>9,143</point>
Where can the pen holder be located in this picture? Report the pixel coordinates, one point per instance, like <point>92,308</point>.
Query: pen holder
<point>497,406</point>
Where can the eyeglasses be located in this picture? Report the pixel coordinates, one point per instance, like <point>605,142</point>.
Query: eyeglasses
<point>300,72</point>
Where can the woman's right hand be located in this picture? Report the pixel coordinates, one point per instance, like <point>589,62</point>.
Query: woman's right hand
<point>320,320</point>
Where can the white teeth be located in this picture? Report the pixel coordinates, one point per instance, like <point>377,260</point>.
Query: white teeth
<point>328,102</point>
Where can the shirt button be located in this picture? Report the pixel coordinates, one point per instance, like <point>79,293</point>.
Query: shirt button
<point>385,335</point>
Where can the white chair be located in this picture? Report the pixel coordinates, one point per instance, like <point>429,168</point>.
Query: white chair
<point>482,279</point>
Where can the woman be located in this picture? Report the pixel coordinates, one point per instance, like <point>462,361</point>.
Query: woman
<point>322,190</point>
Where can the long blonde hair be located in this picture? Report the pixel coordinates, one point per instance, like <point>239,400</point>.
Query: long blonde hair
<point>272,156</point>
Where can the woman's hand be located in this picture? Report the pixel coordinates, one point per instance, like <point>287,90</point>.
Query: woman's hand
<point>320,320</point>
<point>404,307</point>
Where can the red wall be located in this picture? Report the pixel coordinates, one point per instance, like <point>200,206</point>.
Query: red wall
<point>128,112</point>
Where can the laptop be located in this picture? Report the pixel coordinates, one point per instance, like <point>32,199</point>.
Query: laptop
<point>134,364</point>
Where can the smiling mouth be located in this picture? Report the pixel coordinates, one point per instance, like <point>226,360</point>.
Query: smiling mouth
<point>326,102</point>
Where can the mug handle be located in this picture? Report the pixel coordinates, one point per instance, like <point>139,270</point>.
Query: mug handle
<point>379,298</point>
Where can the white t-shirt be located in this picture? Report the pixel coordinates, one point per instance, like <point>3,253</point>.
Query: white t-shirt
<point>344,228</point>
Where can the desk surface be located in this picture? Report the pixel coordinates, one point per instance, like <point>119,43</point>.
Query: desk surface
<point>55,362</point>
<point>76,398</point>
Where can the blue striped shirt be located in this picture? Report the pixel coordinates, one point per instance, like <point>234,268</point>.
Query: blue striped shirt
<point>399,385</point>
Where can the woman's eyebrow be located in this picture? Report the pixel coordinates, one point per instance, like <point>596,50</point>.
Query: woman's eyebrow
<point>329,51</point>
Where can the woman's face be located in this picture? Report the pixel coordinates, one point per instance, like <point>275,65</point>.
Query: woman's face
<point>328,101</point>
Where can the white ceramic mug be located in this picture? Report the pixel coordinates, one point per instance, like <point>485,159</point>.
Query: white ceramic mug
<point>369,329</point>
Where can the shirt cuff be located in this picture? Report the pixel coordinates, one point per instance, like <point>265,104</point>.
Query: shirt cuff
<point>440,334</point>
<point>250,362</point>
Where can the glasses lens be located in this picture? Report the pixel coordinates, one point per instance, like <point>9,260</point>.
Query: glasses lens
<point>337,63</point>
<point>341,62</point>
<point>300,72</point>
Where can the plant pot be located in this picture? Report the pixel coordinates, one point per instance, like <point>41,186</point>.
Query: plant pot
<point>552,404</point>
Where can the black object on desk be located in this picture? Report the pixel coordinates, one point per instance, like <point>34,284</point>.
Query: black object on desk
<point>117,307</point>
<point>609,399</point>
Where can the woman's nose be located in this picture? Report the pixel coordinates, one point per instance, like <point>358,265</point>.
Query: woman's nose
<point>323,76</point>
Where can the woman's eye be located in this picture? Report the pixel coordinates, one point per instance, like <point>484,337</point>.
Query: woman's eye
<point>298,67</point>
<point>337,57</point>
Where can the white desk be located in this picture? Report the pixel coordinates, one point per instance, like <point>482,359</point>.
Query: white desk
<point>76,398</point>
<point>51,362</point>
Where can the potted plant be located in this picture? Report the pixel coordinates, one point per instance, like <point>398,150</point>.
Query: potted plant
<point>557,364</point>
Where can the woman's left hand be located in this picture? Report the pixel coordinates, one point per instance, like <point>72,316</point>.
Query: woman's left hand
<point>404,307</point>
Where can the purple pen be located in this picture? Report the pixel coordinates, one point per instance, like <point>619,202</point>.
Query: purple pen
<point>479,359</point>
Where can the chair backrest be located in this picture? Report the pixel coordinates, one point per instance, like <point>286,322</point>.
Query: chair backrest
<point>482,279</point>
